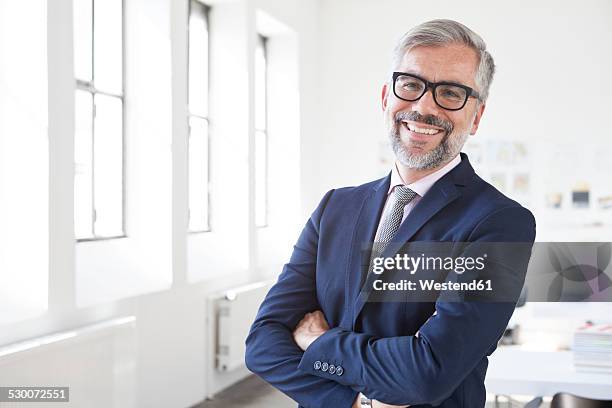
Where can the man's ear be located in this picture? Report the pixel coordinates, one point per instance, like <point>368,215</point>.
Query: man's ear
<point>384,95</point>
<point>477,118</point>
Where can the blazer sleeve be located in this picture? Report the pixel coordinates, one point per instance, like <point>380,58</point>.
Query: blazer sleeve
<point>271,352</point>
<point>428,367</point>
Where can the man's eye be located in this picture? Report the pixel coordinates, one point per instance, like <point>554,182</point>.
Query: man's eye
<point>411,86</point>
<point>448,93</point>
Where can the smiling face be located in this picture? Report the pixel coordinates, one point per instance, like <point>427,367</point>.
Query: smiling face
<point>424,135</point>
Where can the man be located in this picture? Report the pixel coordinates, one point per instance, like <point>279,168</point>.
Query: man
<point>316,337</point>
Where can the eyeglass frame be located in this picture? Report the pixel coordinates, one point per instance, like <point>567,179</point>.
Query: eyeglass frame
<point>470,92</point>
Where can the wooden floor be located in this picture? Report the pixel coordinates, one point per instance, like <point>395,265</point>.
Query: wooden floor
<point>250,393</point>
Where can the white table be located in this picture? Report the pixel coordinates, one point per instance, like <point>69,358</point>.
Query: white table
<point>517,371</point>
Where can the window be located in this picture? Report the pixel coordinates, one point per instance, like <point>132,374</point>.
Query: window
<point>261,132</point>
<point>98,142</point>
<point>199,142</point>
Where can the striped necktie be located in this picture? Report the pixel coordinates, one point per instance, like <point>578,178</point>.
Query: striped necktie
<point>402,195</point>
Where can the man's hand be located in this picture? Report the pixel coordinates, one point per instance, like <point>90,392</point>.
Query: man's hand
<point>309,329</point>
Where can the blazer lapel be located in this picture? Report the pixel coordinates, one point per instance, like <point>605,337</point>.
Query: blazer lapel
<point>365,230</point>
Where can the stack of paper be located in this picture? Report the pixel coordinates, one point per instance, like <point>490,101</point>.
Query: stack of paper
<point>593,348</point>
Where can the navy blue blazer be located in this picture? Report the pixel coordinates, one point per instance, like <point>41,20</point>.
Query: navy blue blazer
<point>374,347</point>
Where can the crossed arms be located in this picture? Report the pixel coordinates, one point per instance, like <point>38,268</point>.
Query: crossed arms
<point>309,329</point>
<point>405,370</point>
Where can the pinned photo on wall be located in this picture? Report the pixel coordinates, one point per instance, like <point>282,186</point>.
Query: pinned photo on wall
<point>507,153</point>
<point>520,153</point>
<point>520,184</point>
<point>605,202</point>
<point>580,195</point>
<point>554,200</point>
<point>500,152</point>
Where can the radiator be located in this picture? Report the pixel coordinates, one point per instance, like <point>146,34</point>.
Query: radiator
<point>235,311</point>
<point>96,362</point>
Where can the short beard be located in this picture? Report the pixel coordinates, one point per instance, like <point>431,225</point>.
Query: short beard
<point>447,149</point>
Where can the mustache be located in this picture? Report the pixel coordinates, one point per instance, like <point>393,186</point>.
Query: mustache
<point>430,120</point>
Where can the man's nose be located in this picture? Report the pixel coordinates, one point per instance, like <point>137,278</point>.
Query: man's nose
<point>426,105</point>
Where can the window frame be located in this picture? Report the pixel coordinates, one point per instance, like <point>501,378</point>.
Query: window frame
<point>262,42</point>
<point>89,86</point>
<point>206,11</point>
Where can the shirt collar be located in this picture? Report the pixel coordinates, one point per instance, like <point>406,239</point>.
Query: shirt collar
<point>422,185</point>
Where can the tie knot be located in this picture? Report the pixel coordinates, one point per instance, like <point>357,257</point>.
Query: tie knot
<point>403,194</point>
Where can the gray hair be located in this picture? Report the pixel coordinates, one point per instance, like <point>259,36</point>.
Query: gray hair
<point>442,32</point>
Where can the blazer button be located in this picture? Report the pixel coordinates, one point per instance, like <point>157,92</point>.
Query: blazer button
<point>332,369</point>
<point>317,365</point>
<point>324,367</point>
<point>339,371</point>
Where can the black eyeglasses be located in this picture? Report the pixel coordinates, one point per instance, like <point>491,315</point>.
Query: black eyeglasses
<point>447,95</point>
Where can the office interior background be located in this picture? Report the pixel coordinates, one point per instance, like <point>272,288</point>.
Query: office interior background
<point>158,159</point>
